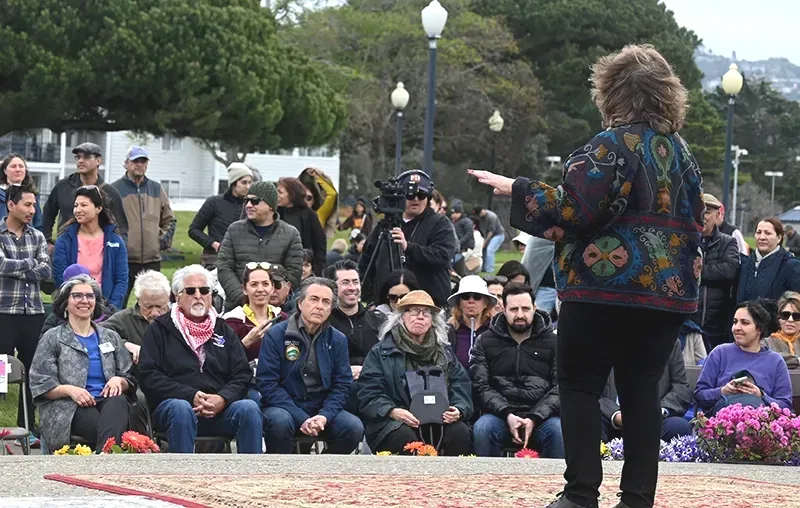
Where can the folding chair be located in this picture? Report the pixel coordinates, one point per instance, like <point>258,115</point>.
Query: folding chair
<point>19,377</point>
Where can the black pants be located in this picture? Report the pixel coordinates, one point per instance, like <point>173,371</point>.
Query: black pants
<point>109,418</point>
<point>455,441</point>
<point>133,270</point>
<point>20,332</point>
<point>592,339</point>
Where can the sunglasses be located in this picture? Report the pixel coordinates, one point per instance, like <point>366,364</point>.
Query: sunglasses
<point>785,315</point>
<point>396,298</point>
<point>258,264</point>
<point>496,279</point>
<point>277,284</point>
<point>419,195</point>
<point>204,290</point>
<point>254,201</point>
<point>471,296</point>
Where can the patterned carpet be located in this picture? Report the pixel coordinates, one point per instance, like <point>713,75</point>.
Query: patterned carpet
<point>466,491</point>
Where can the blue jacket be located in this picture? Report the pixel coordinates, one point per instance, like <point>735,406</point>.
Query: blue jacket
<point>37,218</point>
<point>115,262</point>
<point>280,380</point>
<point>776,274</point>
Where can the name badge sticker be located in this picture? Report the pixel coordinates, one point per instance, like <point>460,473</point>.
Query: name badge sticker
<point>106,347</point>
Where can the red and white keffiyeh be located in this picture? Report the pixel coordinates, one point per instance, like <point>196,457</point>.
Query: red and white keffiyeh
<point>195,334</point>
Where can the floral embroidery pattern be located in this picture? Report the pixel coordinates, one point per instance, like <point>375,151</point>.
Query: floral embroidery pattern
<point>605,256</point>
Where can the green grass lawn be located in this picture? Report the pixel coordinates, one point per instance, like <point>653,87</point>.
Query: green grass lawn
<point>191,252</point>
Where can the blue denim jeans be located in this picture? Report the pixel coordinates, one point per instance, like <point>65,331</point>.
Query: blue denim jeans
<point>241,419</point>
<point>546,299</point>
<point>491,249</point>
<point>343,434</point>
<point>491,434</point>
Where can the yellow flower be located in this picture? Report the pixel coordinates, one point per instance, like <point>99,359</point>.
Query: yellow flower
<point>82,450</point>
<point>383,454</point>
<point>62,451</point>
<point>604,450</point>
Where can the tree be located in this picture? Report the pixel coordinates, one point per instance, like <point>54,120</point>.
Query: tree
<point>209,69</point>
<point>562,39</point>
<point>704,131</point>
<point>367,46</point>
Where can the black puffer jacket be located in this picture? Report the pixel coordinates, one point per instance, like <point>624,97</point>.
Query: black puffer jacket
<point>217,213</point>
<point>516,378</point>
<point>361,331</point>
<point>464,232</point>
<point>306,221</point>
<point>720,272</point>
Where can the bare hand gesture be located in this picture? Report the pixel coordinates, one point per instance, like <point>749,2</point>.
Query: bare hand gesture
<point>399,238</point>
<point>502,184</point>
<point>255,334</point>
<point>452,415</point>
<point>405,416</point>
<point>81,397</point>
<point>114,386</point>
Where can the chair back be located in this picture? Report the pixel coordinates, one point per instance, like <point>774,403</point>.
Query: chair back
<point>17,374</point>
<point>692,375</point>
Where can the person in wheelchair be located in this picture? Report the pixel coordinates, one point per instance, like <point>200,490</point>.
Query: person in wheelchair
<point>414,341</point>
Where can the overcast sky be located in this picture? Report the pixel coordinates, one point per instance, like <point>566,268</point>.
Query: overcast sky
<point>755,29</point>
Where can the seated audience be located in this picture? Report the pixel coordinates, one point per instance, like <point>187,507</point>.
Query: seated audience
<point>54,319</point>
<point>495,285</point>
<point>513,371</point>
<point>675,395</point>
<point>746,371</point>
<point>397,285</point>
<point>414,336</point>
<point>336,253</point>
<point>770,270</point>
<point>200,389</point>
<point>80,374</point>
<point>357,242</point>
<point>472,307</point>
<point>515,271</point>
<point>91,239</point>
<point>786,340</point>
<point>304,376</point>
<point>693,346</point>
<point>282,294</point>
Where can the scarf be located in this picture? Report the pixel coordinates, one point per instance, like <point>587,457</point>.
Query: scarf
<point>760,257</point>
<point>428,353</point>
<point>195,334</point>
<point>788,339</point>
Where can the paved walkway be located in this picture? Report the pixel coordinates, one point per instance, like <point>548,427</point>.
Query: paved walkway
<point>22,477</point>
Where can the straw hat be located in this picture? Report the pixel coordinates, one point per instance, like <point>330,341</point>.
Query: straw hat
<point>417,298</point>
<point>472,284</point>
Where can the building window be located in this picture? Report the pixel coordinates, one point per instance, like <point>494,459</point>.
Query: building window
<point>222,187</point>
<point>171,143</point>
<point>172,188</point>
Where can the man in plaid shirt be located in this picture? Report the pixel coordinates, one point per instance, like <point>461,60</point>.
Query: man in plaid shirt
<point>23,264</point>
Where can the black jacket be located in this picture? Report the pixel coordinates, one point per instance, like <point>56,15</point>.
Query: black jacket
<point>62,200</point>
<point>673,389</point>
<point>516,378</point>
<point>776,274</point>
<point>361,331</point>
<point>169,369</point>
<point>431,244</point>
<point>217,213</point>
<point>719,276</point>
<point>366,224</point>
<point>465,233</point>
<point>306,221</point>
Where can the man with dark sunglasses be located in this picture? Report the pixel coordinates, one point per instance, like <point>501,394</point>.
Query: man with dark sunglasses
<point>262,236</point>
<point>88,158</point>
<point>426,239</point>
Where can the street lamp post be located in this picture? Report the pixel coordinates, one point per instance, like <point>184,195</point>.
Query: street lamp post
<point>774,175</point>
<point>399,101</point>
<point>495,125</point>
<point>732,84</point>
<point>738,152</point>
<point>434,17</point>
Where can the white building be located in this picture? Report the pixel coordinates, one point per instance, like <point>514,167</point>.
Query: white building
<point>188,172</point>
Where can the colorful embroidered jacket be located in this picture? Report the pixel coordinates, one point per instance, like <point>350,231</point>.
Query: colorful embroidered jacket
<point>626,220</point>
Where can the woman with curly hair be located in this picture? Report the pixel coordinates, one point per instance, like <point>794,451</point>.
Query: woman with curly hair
<point>293,209</point>
<point>626,223</point>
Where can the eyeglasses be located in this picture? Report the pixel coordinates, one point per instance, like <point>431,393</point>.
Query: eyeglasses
<point>471,296</point>
<point>496,279</point>
<point>258,264</point>
<point>396,298</point>
<point>254,201</point>
<point>204,290</point>
<point>79,297</point>
<point>419,195</point>
<point>416,312</point>
<point>785,315</point>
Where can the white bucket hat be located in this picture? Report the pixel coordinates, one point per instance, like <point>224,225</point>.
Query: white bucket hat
<point>471,284</point>
<point>522,238</point>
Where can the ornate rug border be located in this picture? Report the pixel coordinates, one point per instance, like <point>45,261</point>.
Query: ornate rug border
<point>112,489</point>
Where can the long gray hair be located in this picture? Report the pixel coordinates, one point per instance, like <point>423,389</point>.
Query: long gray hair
<point>437,325</point>
<point>62,298</point>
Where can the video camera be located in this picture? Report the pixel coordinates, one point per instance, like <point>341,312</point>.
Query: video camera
<point>392,199</point>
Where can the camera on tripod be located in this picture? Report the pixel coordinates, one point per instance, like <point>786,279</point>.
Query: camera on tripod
<point>392,199</point>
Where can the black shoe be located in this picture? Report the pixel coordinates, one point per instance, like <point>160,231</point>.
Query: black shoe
<point>621,505</point>
<point>563,502</point>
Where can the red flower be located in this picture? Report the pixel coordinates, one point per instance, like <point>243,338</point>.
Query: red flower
<point>133,442</point>
<point>413,446</point>
<point>527,453</point>
<point>109,443</point>
<point>4,433</point>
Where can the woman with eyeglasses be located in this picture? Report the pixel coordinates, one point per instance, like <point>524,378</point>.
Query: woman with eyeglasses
<point>294,210</point>
<point>254,318</point>
<point>90,239</point>
<point>80,377</point>
<point>745,372</point>
<point>786,341</point>
<point>398,285</point>
<point>413,337</point>
<point>14,171</point>
<point>472,309</point>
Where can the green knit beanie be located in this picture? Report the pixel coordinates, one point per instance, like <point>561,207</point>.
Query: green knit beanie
<point>266,191</point>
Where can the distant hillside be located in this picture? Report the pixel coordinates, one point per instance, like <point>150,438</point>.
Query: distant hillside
<point>783,74</point>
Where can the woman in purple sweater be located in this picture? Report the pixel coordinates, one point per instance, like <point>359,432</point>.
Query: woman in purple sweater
<point>767,376</point>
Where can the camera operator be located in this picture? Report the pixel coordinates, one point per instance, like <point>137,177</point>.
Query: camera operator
<point>424,238</point>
